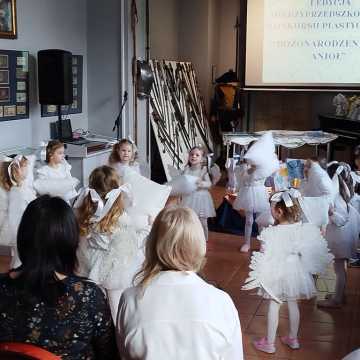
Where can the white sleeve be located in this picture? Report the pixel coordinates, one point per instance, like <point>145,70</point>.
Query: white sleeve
<point>17,206</point>
<point>3,206</point>
<point>205,183</point>
<point>42,173</point>
<point>235,349</point>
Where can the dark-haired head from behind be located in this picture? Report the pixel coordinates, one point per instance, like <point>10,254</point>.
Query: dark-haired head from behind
<point>47,241</point>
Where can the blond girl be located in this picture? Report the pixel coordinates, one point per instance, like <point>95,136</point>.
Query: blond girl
<point>199,200</point>
<point>123,157</point>
<point>55,178</point>
<point>110,249</point>
<point>291,252</point>
<point>167,315</point>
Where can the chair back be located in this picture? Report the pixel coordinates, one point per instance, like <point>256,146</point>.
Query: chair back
<point>21,351</point>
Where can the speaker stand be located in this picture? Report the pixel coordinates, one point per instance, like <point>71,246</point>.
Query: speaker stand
<point>60,135</point>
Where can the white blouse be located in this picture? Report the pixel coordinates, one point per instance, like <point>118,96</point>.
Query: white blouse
<point>179,316</point>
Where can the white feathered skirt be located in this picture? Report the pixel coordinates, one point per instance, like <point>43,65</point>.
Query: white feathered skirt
<point>252,198</point>
<point>201,202</point>
<point>290,255</point>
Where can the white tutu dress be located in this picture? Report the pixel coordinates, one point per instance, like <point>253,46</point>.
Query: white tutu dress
<point>5,236</point>
<point>289,256</point>
<point>200,200</point>
<point>122,169</point>
<point>355,201</point>
<point>342,232</point>
<point>252,195</point>
<point>56,181</point>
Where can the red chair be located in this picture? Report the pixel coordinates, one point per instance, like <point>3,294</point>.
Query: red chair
<point>21,351</point>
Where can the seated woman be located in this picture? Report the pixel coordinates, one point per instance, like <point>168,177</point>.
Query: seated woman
<point>43,302</point>
<point>172,313</point>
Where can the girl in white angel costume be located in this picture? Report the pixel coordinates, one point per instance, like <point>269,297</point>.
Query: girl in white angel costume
<point>110,251</point>
<point>200,199</point>
<point>342,232</point>
<point>55,178</point>
<point>16,193</point>
<point>290,254</point>
<point>260,162</point>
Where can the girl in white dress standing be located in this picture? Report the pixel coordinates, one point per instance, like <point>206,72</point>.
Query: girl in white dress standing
<point>110,249</point>
<point>17,180</point>
<point>342,232</point>
<point>260,163</point>
<point>55,178</point>
<point>291,252</point>
<point>199,200</point>
<point>123,157</point>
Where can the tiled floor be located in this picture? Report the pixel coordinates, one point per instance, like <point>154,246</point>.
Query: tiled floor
<point>324,335</point>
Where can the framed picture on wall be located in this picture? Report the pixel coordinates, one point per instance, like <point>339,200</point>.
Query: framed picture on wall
<point>8,24</point>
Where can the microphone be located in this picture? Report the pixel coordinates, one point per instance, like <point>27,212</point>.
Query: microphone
<point>118,119</point>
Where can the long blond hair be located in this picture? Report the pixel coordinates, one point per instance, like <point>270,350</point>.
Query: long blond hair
<point>103,179</point>
<point>10,173</point>
<point>176,242</point>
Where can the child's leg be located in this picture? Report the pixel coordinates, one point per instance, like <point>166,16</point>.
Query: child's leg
<point>272,321</point>
<point>248,230</point>
<point>204,224</point>
<point>294,318</point>
<point>340,272</point>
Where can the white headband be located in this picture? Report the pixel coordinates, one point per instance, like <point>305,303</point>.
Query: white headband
<point>287,196</point>
<point>15,161</point>
<point>110,198</point>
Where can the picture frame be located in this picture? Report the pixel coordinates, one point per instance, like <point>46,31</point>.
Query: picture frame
<point>4,77</point>
<point>4,94</point>
<point>8,22</point>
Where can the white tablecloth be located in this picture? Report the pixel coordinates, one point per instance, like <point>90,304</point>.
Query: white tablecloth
<point>287,138</point>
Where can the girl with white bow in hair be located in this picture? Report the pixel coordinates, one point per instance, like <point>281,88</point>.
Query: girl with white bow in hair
<point>16,193</point>
<point>342,232</point>
<point>110,250</point>
<point>291,252</point>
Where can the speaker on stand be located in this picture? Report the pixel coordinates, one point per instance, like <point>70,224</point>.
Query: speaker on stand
<point>55,80</point>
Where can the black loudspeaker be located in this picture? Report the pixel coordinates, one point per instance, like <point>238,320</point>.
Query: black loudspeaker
<point>55,77</point>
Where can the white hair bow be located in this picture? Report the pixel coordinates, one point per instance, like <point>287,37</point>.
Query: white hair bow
<point>16,162</point>
<point>95,198</point>
<point>287,196</point>
<point>110,199</point>
<point>335,178</point>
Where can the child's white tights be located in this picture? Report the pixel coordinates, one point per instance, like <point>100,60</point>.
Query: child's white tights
<point>340,272</point>
<point>248,226</point>
<point>273,319</point>
<point>204,224</point>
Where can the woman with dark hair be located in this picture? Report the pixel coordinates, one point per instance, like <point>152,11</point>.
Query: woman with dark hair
<point>43,302</point>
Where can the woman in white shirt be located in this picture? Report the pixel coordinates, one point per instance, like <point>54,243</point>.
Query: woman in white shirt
<point>172,313</point>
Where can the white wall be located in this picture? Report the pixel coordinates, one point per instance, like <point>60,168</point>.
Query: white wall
<point>104,65</point>
<point>45,24</point>
<point>164,29</point>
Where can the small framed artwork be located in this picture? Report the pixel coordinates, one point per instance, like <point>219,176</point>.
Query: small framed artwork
<point>8,23</point>
<point>21,109</point>
<point>4,77</point>
<point>21,86</point>
<point>4,61</point>
<point>4,94</point>
<point>10,110</point>
<point>20,97</point>
<point>1,111</point>
<point>21,74</point>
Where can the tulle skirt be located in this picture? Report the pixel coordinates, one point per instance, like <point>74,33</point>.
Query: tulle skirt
<point>252,198</point>
<point>201,202</point>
